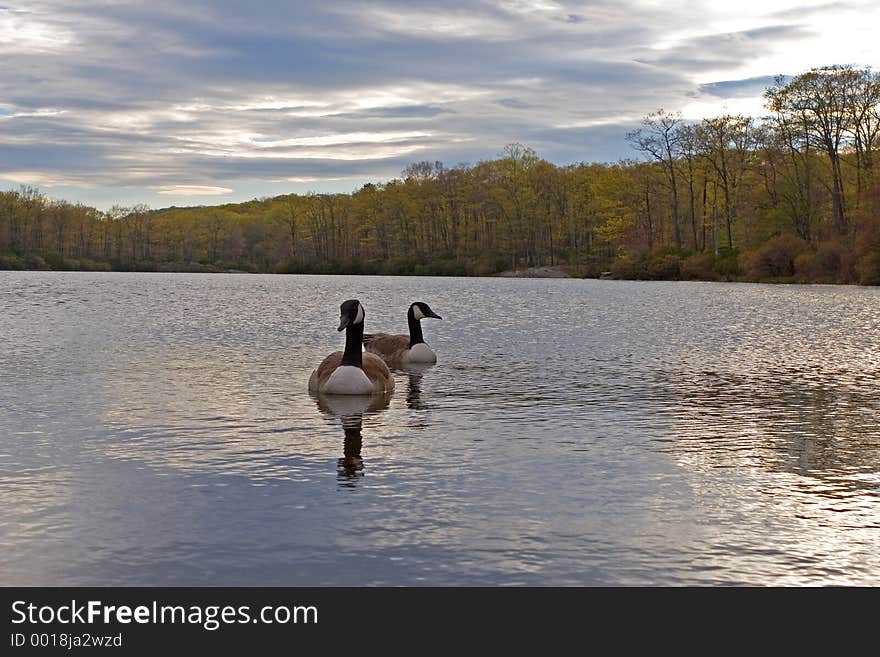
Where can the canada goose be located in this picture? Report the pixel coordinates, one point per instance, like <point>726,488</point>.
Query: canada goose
<point>397,350</point>
<point>351,372</point>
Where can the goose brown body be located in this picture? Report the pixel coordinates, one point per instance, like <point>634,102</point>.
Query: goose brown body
<point>374,369</point>
<point>392,349</point>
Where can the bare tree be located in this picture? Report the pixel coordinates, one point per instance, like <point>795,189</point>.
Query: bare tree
<point>821,98</point>
<point>660,138</point>
<point>690,154</point>
<point>862,92</point>
<point>727,143</point>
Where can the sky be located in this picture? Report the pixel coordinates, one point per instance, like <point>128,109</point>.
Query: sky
<point>202,103</point>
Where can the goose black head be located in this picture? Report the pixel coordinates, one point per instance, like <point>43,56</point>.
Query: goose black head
<point>351,312</point>
<point>421,310</point>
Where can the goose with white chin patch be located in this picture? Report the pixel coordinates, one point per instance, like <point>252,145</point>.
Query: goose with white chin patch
<point>351,372</point>
<point>401,350</point>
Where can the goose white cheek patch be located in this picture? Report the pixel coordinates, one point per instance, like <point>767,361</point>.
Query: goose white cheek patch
<point>360,316</point>
<point>417,313</point>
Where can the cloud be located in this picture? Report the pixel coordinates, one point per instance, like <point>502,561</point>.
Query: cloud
<point>20,30</point>
<point>513,103</point>
<point>400,112</point>
<point>747,88</point>
<point>192,190</point>
<point>802,11</point>
<point>43,178</point>
<point>727,50</point>
<point>237,95</point>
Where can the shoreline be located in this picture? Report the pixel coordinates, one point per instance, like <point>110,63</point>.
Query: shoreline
<point>511,274</point>
<point>547,271</point>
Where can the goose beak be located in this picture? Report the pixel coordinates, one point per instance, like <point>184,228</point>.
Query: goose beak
<point>434,315</point>
<point>343,322</point>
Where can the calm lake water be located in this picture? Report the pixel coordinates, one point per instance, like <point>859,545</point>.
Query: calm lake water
<point>155,429</point>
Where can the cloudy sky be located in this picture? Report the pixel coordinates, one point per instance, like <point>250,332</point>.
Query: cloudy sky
<point>194,102</point>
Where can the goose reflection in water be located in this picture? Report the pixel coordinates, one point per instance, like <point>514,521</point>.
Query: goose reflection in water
<point>351,410</point>
<point>414,373</point>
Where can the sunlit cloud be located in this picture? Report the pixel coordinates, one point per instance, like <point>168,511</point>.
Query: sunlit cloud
<point>345,138</point>
<point>438,23</point>
<point>43,179</point>
<point>698,109</point>
<point>346,153</point>
<point>6,114</point>
<point>310,179</point>
<point>267,103</point>
<point>192,190</point>
<point>529,7</point>
<point>23,31</point>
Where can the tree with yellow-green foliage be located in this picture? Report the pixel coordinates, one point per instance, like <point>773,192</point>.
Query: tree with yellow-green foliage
<point>791,196</point>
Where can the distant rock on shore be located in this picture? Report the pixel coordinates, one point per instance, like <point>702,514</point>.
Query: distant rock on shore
<point>535,272</point>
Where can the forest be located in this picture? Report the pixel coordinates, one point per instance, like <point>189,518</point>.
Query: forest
<point>791,196</point>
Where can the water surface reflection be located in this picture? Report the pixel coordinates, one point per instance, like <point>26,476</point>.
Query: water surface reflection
<point>156,429</point>
<point>350,411</point>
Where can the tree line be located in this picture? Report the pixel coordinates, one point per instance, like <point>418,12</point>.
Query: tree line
<point>792,195</point>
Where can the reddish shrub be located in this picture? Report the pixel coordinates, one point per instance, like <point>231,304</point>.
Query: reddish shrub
<point>664,267</point>
<point>803,266</point>
<point>828,262</point>
<point>776,258</point>
<point>698,267</point>
<point>869,267</point>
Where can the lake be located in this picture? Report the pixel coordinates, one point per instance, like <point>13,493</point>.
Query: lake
<point>155,429</point>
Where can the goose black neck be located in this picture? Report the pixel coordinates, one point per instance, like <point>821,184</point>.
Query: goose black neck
<point>415,329</point>
<point>353,440</point>
<point>354,338</point>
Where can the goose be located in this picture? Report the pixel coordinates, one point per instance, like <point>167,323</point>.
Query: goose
<point>398,350</point>
<point>351,372</point>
